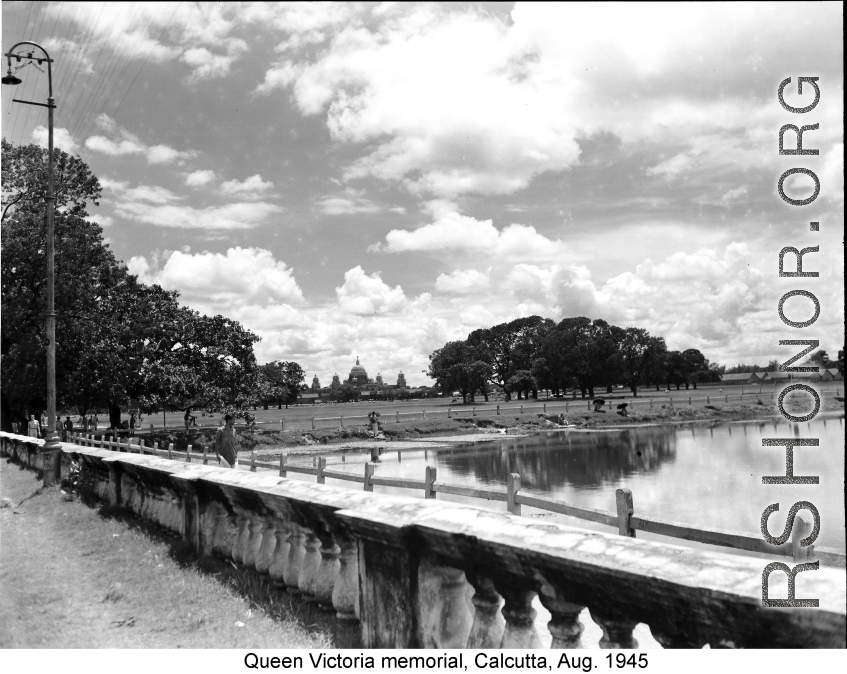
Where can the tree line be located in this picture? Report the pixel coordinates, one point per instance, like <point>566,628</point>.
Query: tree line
<point>117,339</point>
<point>523,356</point>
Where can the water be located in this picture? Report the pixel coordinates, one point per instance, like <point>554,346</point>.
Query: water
<point>710,477</point>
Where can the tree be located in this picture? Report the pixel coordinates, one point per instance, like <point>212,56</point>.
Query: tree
<point>509,347</point>
<point>25,181</point>
<point>456,367</point>
<point>283,380</point>
<point>116,338</point>
<point>637,353</point>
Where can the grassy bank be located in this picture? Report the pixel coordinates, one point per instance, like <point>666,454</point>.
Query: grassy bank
<point>304,441</point>
<point>77,575</point>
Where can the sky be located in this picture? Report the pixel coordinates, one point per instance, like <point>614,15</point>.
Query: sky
<point>376,179</point>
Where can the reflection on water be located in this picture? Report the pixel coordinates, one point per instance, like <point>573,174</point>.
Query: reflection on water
<point>695,475</point>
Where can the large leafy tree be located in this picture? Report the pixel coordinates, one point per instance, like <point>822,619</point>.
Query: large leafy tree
<point>116,338</point>
<point>638,353</point>
<point>457,367</point>
<point>510,347</point>
<point>282,380</point>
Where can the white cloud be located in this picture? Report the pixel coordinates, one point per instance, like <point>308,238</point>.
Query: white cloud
<point>462,282</point>
<point>128,143</point>
<point>347,205</point>
<point>458,235</point>
<point>240,215</point>
<point>247,187</point>
<point>207,64</point>
<point>62,139</point>
<point>199,178</point>
<point>102,220</point>
<point>365,295</point>
<point>242,275</point>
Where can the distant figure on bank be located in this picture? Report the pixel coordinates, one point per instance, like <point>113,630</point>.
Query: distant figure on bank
<point>132,421</point>
<point>188,419</point>
<point>373,418</point>
<point>622,409</point>
<point>225,444</point>
<point>32,427</point>
<point>598,404</point>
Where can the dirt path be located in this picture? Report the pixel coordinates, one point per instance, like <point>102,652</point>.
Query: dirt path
<point>72,578</point>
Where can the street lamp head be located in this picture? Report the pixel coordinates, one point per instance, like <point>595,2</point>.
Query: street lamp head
<point>10,78</point>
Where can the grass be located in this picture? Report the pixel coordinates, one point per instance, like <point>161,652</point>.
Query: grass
<point>77,576</point>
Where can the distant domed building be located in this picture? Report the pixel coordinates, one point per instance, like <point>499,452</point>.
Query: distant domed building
<point>336,382</point>
<point>316,384</point>
<point>358,376</point>
<point>401,380</point>
<point>378,379</point>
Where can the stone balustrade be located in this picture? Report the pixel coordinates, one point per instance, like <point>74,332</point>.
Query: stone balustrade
<point>405,572</point>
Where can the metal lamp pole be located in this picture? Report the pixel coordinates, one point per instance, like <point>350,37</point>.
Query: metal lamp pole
<point>50,451</point>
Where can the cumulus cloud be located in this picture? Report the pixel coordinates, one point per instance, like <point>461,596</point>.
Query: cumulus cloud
<point>207,64</point>
<point>249,187</point>
<point>462,282</point>
<point>128,143</point>
<point>459,234</point>
<point>239,275</point>
<point>159,206</point>
<point>364,295</point>
<point>199,178</point>
<point>62,139</point>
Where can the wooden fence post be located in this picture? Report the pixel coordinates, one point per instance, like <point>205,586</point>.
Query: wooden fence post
<point>623,501</point>
<point>342,421</point>
<point>188,454</point>
<point>545,408</point>
<point>566,407</point>
<point>708,400</point>
<point>726,398</point>
<point>521,408</point>
<point>282,425</point>
<point>369,470</point>
<point>397,415</point>
<point>321,467</point>
<point>498,410</point>
<point>253,461</point>
<point>513,486</point>
<point>282,472</point>
<point>151,429</point>
<point>448,412</point>
<point>313,422</point>
<point>170,449</point>
<point>156,448</point>
<point>473,412</point>
<point>431,473</point>
<point>205,456</point>
<point>689,400</point>
<point>424,414</point>
<point>374,453</point>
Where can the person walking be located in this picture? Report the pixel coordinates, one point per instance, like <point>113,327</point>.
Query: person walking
<point>43,425</point>
<point>92,423</point>
<point>33,427</point>
<point>132,424</point>
<point>68,428</point>
<point>225,444</point>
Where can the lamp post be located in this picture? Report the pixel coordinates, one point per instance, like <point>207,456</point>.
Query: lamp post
<point>50,451</point>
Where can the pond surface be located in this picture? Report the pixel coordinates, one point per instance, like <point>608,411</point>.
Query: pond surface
<point>694,475</point>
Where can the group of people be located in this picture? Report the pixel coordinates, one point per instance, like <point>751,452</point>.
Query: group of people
<point>36,427</point>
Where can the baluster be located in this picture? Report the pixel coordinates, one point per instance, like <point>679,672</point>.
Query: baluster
<point>345,593</point>
<point>565,626</point>
<point>617,630</point>
<point>444,613</point>
<point>327,571</point>
<point>242,535</point>
<point>267,548</point>
<point>488,622</point>
<point>519,631</point>
<point>253,540</point>
<point>295,558</point>
<point>226,533</point>
<point>308,577</point>
<point>279,562</point>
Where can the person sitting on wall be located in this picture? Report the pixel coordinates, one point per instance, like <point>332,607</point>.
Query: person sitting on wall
<point>598,403</point>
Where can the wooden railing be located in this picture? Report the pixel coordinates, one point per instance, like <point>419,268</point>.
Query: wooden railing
<point>624,520</point>
<point>401,572</point>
